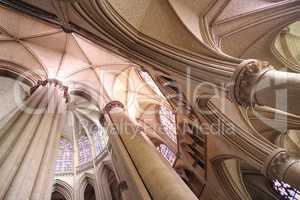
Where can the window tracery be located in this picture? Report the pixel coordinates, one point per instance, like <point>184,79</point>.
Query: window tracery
<point>85,151</point>
<point>100,139</point>
<point>167,153</point>
<point>64,157</point>
<point>168,122</point>
<point>286,191</point>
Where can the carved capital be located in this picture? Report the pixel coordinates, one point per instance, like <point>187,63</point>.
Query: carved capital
<point>279,165</point>
<point>55,82</point>
<point>244,80</point>
<point>113,105</point>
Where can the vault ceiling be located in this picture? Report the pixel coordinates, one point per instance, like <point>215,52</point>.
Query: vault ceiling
<point>49,52</point>
<point>210,36</point>
<point>287,46</point>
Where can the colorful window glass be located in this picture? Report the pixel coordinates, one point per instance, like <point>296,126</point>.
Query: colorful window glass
<point>84,148</point>
<point>168,122</point>
<point>64,157</point>
<point>167,153</point>
<point>100,139</point>
<point>286,191</point>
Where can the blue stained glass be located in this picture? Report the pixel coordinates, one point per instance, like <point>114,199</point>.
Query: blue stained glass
<point>100,139</point>
<point>64,157</point>
<point>168,122</point>
<point>84,148</point>
<point>286,191</point>
<point>167,153</point>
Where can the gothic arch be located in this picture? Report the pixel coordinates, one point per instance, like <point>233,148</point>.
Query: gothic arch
<point>258,186</point>
<point>90,94</point>
<point>230,180</point>
<point>16,71</point>
<point>289,62</point>
<point>63,188</point>
<point>85,180</point>
<point>109,187</point>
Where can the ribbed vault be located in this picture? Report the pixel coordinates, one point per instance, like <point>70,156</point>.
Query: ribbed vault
<point>209,37</point>
<point>93,74</point>
<point>46,50</point>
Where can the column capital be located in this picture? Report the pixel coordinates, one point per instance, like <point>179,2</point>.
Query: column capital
<point>244,79</point>
<point>56,83</point>
<point>113,105</point>
<point>284,166</point>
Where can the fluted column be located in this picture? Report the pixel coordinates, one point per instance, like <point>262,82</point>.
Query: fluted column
<point>28,142</point>
<point>159,178</point>
<point>258,83</point>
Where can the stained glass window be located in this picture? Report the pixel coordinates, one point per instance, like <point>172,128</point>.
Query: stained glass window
<point>147,78</point>
<point>286,191</point>
<point>64,157</point>
<point>85,151</point>
<point>100,139</point>
<point>167,153</point>
<point>168,122</point>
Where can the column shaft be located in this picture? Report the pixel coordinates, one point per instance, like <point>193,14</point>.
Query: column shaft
<point>126,170</point>
<point>258,83</point>
<point>27,145</point>
<point>160,179</point>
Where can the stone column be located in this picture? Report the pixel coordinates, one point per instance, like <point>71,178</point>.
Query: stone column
<point>258,83</point>
<point>134,187</point>
<point>28,142</point>
<point>160,180</point>
<point>284,166</point>
<point>274,162</point>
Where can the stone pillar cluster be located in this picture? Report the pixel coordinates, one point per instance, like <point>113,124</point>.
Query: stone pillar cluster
<point>242,89</point>
<point>284,166</point>
<point>160,181</point>
<point>28,141</point>
<point>257,83</point>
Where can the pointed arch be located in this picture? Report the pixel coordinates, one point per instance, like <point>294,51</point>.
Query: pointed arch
<point>109,187</point>
<point>63,188</point>
<point>85,180</point>
<point>227,171</point>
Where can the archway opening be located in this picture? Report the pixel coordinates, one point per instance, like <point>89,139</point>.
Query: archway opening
<point>113,186</point>
<point>89,193</point>
<point>57,196</point>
